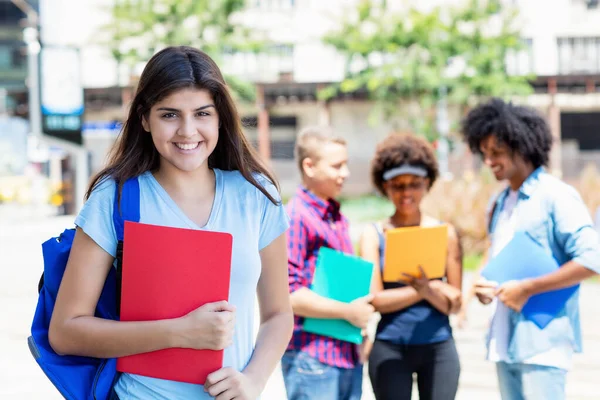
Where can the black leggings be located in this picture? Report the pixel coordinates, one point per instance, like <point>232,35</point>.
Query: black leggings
<point>391,369</point>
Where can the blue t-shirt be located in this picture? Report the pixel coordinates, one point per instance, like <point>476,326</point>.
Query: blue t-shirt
<point>239,208</point>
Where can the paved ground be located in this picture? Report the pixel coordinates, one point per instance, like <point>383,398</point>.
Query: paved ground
<point>20,378</point>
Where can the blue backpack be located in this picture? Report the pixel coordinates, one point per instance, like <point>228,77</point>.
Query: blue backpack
<point>80,378</point>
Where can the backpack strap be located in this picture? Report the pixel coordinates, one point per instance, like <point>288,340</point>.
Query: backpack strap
<point>380,234</point>
<point>126,208</point>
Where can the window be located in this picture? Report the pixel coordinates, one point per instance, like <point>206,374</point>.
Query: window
<point>578,55</point>
<point>274,4</point>
<point>266,66</point>
<point>19,57</point>
<point>282,132</point>
<point>12,56</point>
<point>589,4</point>
<point>10,14</point>
<point>5,57</point>
<point>521,62</point>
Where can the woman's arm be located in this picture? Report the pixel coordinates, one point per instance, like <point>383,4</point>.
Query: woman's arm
<point>390,300</point>
<point>444,297</point>
<point>276,325</point>
<point>74,329</point>
<point>276,317</point>
<point>454,272</point>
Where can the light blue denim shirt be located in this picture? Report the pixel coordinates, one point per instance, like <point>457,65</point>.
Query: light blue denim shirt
<point>554,215</point>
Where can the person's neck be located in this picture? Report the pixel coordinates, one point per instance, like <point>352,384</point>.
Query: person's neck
<point>198,184</point>
<point>320,195</point>
<point>399,220</point>
<point>516,181</point>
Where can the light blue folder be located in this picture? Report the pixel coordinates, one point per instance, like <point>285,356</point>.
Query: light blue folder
<point>524,258</point>
<point>344,278</point>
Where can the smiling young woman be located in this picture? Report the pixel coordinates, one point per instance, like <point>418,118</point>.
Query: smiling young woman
<point>414,333</point>
<point>183,142</point>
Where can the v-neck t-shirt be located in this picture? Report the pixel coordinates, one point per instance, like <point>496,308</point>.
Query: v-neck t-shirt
<point>239,208</point>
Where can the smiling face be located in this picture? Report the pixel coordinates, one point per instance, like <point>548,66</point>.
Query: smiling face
<point>499,158</point>
<point>184,128</point>
<point>326,172</point>
<point>406,192</point>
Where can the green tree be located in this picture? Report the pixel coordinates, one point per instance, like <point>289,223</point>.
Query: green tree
<point>139,28</point>
<point>406,57</point>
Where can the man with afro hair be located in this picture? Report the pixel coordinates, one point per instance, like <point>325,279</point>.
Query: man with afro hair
<point>514,142</point>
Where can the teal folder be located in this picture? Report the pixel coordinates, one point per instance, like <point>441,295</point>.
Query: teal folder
<point>344,278</point>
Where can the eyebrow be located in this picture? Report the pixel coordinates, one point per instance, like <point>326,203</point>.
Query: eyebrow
<point>176,110</point>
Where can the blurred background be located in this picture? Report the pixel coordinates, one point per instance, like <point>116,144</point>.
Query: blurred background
<point>69,68</point>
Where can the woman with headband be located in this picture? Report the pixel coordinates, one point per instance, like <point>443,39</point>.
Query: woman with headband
<point>414,333</point>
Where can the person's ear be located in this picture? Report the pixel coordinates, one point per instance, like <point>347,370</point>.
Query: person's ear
<point>145,124</point>
<point>308,167</point>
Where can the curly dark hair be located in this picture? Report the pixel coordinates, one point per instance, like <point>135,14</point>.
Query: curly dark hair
<point>398,149</point>
<point>522,129</point>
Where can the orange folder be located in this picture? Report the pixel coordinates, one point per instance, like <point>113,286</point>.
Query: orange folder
<point>408,248</point>
<point>168,272</point>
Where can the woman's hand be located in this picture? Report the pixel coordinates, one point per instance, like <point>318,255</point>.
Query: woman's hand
<point>229,384</point>
<point>485,290</point>
<point>419,283</point>
<point>209,327</point>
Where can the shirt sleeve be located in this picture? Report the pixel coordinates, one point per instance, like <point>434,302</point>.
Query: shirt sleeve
<point>297,239</point>
<point>274,221</point>
<point>574,230</point>
<point>95,218</point>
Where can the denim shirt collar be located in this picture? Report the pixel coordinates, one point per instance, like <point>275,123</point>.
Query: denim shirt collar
<point>532,181</point>
<point>527,188</point>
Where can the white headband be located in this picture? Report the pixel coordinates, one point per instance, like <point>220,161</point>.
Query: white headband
<point>404,169</point>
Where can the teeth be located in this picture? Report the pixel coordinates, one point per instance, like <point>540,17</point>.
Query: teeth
<point>187,146</point>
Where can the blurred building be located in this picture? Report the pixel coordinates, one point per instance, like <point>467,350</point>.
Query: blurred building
<point>13,58</point>
<point>563,50</point>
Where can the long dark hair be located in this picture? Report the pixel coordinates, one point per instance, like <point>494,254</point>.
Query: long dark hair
<point>169,70</point>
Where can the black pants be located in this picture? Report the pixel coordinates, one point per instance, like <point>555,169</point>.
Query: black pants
<point>391,369</point>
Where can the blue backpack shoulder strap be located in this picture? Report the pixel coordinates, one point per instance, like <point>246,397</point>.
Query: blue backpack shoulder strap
<point>126,206</point>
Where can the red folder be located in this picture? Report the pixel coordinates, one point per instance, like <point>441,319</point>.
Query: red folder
<point>168,272</point>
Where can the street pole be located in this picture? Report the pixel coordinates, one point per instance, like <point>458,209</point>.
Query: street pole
<point>443,127</point>
<point>30,35</point>
<point>31,38</point>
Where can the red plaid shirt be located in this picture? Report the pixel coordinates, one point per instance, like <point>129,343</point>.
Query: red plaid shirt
<point>315,223</point>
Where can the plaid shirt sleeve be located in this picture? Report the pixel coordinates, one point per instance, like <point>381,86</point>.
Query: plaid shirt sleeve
<point>297,237</point>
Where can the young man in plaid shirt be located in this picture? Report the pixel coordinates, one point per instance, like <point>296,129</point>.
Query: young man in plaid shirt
<point>318,367</point>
